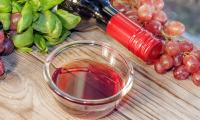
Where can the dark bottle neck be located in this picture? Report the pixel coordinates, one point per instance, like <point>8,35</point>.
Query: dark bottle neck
<point>102,10</point>
<point>106,13</point>
<point>107,8</point>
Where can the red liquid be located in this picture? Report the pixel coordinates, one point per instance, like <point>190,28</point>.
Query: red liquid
<point>88,80</point>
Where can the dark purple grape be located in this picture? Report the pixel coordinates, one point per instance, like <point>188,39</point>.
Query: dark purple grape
<point>1,48</point>
<point>2,68</point>
<point>11,33</point>
<point>8,47</point>
<point>2,36</point>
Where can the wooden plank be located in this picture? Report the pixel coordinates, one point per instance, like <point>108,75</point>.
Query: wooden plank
<point>25,95</point>
<point>153,96</point>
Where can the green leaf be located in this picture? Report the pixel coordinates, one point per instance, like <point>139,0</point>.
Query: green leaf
<point>43,51</point>
<point>68,20</point>
<point>48,4</point>
<point>5,6</point>
<point>16,7</point>
<point>24,39</point>
<point>46,22</point>
<point>22,1</point>
<point>36,4</point>
<point>25,49</point>
<point>57,30</point>
<point>40,43</point>
<point>26,19</point>
<point>53,42</point>
<point>36,16</point>
<point>5,19</point>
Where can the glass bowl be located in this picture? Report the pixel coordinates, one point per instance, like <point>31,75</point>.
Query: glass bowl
<point>93,51</point>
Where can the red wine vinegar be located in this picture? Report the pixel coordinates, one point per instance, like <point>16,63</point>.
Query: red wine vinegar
<point>87,79</point>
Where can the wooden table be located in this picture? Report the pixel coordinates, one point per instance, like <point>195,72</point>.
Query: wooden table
<point>24,94</point>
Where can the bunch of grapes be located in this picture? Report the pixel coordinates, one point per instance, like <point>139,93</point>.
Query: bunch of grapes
<point>6,48</point>
<point>180,56</point>
<point>150,15</point>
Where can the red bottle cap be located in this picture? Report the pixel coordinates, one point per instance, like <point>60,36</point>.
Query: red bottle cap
<point>139,41</point>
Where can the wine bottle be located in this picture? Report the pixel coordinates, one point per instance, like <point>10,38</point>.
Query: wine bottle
<point>138,40</point>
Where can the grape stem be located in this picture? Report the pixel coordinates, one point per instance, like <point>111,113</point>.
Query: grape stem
<point>186,53</point>
<point>167,37</point>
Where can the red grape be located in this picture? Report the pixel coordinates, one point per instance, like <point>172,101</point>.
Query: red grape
<point>159,68</point>
<point>145,12</point>
<point>163,42</point>
<point>178,60</point>
<point>174,28</point>
<point>191,63</point>
<point>159,4</point>
<point>160,16</point>
<point>1,48</point>
<point>196,53</point>
<point>149,2</point>
<point>2,68</point>
<point>154,26</point>
<point>181,73</point>
<point>15,17</point>
<point>2,36</point>
<point>186,46</point>
<point>172,48</point>
<point>166,61</point>
<point>196,78</point>
<point>8,47</point>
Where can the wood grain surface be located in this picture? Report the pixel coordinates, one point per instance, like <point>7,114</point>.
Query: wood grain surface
<point>24,94</point>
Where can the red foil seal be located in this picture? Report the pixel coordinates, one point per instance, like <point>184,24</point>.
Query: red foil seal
<point>139,41</point>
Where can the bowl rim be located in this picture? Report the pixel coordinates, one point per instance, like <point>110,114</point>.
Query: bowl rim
<point>73,99</point>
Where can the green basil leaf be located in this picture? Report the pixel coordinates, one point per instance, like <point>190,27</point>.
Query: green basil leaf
<point>25,49</point>
<point>5,19</point>
<point>5,6</point>
<point>26,19</point>
<point>68,20</point>
<point>54,42</point>
<point>48,4</point>
<point>16,7</point>
<point>22,1</point>
<point>46,22</point>
<point>57,30</point>
<point>40,42</point>
<point>24,39</point>
<point>36,5</point>
<point>36,16</point>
